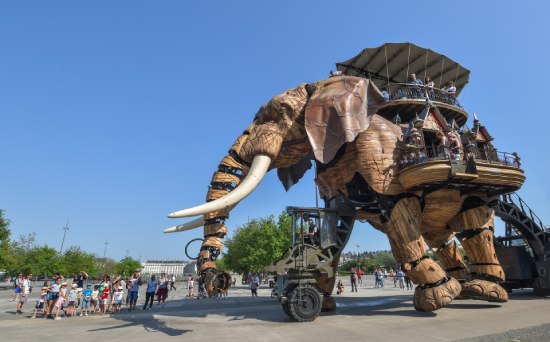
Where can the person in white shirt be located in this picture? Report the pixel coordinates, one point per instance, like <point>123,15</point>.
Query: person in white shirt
<point>25,286</point>
<point>117,298</point>
<point>172,283</point>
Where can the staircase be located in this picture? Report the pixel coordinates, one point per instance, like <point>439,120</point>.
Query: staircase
<point>523,224</point>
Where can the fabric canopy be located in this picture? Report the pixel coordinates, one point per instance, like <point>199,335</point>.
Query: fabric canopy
<point>392,62</point>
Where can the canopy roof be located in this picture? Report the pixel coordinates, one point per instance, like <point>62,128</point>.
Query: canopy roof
<point>392,62</point>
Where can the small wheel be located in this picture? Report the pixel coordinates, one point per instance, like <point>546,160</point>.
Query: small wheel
<point>305,304</point>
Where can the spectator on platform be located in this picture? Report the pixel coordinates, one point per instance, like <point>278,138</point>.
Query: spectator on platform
<point>450,88</point>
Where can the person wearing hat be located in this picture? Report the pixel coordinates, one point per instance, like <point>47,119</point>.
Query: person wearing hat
<point>86,298</point>
<point>61,300</point>
<point>41,302</point>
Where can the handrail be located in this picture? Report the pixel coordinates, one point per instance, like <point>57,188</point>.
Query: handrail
<point>428,153</point>
<point>514,198</point>
<point>401,91</point>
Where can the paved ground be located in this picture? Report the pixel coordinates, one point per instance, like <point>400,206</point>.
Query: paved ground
<point>371,314</point>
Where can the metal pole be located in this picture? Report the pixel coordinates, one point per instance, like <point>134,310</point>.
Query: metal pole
<point>315,183</point>
<point>104,254</point>
<point>64,233</point>
<point>105,250</point>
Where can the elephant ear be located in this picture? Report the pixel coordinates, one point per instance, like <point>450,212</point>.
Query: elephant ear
<point>337,112</point>
<point>292,174</point>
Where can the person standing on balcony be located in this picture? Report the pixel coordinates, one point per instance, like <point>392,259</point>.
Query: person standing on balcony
<point>450,88</point>
<point>443,146</point>
<point>454,146</point>
<point>414,80</point>
<point>429,84</point>
<point>416,92</point>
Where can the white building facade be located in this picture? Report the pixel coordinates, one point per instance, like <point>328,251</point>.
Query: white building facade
<point>175,267</point>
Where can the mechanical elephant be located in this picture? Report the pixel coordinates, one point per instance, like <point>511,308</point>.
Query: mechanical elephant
<point>333,123</point>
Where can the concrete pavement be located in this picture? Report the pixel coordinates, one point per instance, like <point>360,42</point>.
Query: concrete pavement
<point>370,314</point>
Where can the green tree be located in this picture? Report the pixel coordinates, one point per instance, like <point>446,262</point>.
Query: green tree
<point>127,266</point>
<point>75,260</point>
<point>386,259</point>
<point>42,261</point>
<point>19,251</point>
<point>220,263</point>
<point>258,243</point>
<point>7,258</point>
<point>106,266</point>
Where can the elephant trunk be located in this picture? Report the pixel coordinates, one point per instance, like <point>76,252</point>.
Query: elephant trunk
<point>235,179</point>
<point>242,169</point>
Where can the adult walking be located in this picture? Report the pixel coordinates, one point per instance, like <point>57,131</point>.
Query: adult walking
<point>360,276</point>
<point>400,277</point>
<point>173,282</point>
<point>353,279</point>
<point>162,291</point>
<point>152,287</point>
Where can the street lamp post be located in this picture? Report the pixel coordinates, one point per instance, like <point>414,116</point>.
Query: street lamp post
<point>64,233</point>
<point>104,255</point>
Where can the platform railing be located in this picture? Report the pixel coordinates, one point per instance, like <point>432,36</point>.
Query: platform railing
<point>429,153</point>
<point>402,91</point>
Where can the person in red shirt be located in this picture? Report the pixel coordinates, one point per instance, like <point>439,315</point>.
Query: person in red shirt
<point>360,276</point>
<point>105,298</point>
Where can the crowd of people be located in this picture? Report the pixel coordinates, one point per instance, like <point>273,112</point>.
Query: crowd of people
<point>381,275</point>
<point>59,298</point>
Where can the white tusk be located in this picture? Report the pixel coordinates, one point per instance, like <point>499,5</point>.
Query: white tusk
<point>258,169</point>
<point>199,222</point>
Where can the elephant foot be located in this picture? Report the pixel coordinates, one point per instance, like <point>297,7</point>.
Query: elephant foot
<point>484,290</point>
<point>328,304</point>
<point>431,298</point>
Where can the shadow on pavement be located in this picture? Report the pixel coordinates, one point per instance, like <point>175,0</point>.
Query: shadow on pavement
<point>149,323</point>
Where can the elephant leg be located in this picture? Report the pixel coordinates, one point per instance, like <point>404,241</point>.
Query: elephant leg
<point>326,285</point>
<point>476,227</point>
<point>435,289</point>
<point>452,260</point>
<point>435,217</point>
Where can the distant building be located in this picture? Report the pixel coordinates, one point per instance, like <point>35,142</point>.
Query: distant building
<point>190,268</point>
<point>175,267</point>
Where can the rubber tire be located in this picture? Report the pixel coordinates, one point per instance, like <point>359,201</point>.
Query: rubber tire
<point>305,304</point>
<point>286,309</point>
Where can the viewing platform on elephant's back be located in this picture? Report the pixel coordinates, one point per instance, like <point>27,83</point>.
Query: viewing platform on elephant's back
<point>495,175</point>
<point>408,100</point>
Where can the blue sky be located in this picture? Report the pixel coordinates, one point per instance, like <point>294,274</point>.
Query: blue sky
<point>116,113</point>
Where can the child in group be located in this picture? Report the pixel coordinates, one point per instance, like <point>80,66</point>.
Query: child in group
<point>71,309</point>
<point>104,299</point>
<point>94,299</point>
<point>86,299</point>
<point>60,300</point>
<point>117,297</point>
<point>40,302</point>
